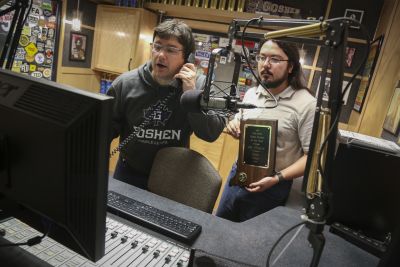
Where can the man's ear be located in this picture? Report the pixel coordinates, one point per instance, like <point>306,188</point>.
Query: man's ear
<point>290,68</point>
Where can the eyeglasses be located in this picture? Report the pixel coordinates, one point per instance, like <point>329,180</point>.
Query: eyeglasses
<point>271,60</point>
<point>171,50</point>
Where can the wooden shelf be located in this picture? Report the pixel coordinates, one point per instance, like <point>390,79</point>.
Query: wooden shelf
<point>202,14</point>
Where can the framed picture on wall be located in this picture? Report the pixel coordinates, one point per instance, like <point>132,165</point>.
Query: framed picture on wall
<point>77,49</point>
<point>354,14</point>
<point>368,73</point>
<point>392,120</point>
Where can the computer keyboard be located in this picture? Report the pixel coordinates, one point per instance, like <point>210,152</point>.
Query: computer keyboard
<point>369,141</point>
<point>148,216</point>
<point>125,246</point>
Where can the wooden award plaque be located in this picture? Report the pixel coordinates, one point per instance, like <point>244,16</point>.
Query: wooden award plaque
<point>257,149</point>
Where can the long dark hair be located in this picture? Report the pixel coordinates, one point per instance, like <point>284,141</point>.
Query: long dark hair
<point>296,78</point>
<point>178,29</point>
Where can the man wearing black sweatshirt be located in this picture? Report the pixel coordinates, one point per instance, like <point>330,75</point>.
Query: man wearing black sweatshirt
<point>147,107</point>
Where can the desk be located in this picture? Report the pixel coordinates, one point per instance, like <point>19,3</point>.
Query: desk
<point>225,243</point>
<point>250,241</point>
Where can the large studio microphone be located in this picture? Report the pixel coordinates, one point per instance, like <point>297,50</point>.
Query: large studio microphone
<point>192,101</point>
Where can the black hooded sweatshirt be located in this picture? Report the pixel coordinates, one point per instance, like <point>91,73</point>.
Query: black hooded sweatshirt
<point>154,114</point>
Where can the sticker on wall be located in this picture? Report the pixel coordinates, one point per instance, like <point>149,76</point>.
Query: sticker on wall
<point>26,31</point>
<point>52,19</point>
<point>50,33</point>
<point>49,53</point>
<point>29,58</point>
<point>51,25</point>
<point>24,68</point>
<point>16,66</point>
<point>204,64</point>
<point>37,74</point>
<point>36,31</point>
<point>42,22</point>
<point>39,58</point>
<point>15,69</point>
<point>202,55</point>
<point>48,61</point>
<point>47,9</point>
<point>33,20</point>
<point>223,42</point>
<point>49,44</point>
<point>31,49</point>
<point>24,40</point>
<point>40,46</point>
<point>222,60</point>
<point>32,67</point>
<point>242,81</point>
<point>47,73</point>
<point>20,54</point>
<point>43,36</point>
<point>36,10</point>
<point>33,39</point>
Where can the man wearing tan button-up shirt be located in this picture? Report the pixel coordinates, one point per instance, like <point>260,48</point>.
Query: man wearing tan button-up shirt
<point>280,71</point>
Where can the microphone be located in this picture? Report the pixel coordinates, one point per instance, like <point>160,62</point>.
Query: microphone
<point>192,101</point>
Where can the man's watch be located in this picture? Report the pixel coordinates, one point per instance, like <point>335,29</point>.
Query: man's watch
<point>280,177</point>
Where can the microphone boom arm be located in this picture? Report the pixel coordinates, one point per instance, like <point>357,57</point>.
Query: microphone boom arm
<point>323,138</point>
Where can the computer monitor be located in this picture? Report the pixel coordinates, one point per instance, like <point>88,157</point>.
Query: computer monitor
<point>365,189</point>
<point>54,153</point>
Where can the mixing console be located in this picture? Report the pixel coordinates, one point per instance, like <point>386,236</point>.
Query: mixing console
<point>125,246</point>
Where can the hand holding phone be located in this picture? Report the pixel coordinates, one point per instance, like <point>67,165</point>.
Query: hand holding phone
<point>184,78</point>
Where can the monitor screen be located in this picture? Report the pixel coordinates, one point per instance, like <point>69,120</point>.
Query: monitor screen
<point>54,160</point>
<point>365,189</point>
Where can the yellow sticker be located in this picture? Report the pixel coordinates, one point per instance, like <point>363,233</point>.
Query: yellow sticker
<point>26,31</point>
<point>31,49</point>
<point>29,58</point>
<point>24,40</point>
<point>32,68</point>
<point>242,81</point>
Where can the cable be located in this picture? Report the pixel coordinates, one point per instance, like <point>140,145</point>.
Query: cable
<point>30,242</point>
<point>358,70</point>
<point>143,124</point>
<point>288,244</point>
<point>279,240</point>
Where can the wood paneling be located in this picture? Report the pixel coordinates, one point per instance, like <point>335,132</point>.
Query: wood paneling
<point>84,79</point>
<point>122,38</point>
<point>387,72</point>
<point>114,159</point>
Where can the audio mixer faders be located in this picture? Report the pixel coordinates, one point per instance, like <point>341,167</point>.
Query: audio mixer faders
<point>125,246</point>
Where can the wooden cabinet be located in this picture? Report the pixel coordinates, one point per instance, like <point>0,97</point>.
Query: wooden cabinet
<point>122,38</point>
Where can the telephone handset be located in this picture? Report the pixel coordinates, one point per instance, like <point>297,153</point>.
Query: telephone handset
<point>177,83</point>
<point>190,58</point>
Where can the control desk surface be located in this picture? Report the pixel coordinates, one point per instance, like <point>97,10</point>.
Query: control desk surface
<point>225,243</point>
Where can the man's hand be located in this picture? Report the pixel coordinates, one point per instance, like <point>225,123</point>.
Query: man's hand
<point>263,184</point>
<point>187,74</point>
<point>233,127</point>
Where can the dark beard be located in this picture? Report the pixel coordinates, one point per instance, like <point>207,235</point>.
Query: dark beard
<point>274,84</point>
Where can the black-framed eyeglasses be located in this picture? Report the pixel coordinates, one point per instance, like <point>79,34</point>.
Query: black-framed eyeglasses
<point>171,50</point>
<point>271,60</point>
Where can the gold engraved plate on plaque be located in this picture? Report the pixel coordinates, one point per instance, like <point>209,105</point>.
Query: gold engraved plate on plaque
<point>257,150</point>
